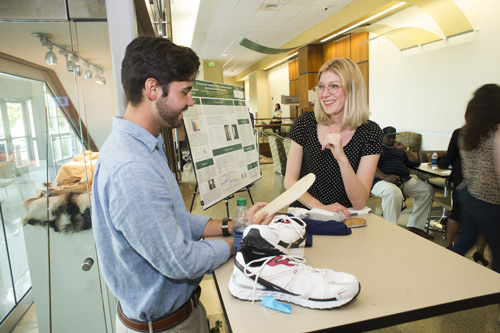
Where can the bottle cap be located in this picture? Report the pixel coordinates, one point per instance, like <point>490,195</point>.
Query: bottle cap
<point>241,202</point>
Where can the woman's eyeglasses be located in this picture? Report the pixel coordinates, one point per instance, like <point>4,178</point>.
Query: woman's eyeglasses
<point>332,88</point>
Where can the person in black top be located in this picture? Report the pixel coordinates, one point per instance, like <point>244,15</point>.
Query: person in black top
<point>452,157</point>
<point>392,181</point>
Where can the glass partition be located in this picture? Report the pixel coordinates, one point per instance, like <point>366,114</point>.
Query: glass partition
<point>53,116</point>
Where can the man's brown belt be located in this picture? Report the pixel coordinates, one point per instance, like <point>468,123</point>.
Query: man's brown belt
<point>165,323</point>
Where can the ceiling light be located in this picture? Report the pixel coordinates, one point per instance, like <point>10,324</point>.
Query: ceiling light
<point>364,21</point>
<point>50,57</point>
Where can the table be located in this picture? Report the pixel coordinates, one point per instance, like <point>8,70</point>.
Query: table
<point>77,169</point>
<point>394,267</point>
<point>441,173</point>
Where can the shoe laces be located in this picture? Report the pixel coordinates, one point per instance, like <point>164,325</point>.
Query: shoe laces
<point>299,262</point>
<point>292,222</point>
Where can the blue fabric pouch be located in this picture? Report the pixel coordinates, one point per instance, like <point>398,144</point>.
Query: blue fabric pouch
<point>315,227</point>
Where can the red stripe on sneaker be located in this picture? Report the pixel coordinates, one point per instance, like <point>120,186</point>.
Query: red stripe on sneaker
<point>280,261</point>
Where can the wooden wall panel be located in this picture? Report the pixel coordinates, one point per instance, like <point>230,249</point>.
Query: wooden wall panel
<point>306,83</point>
<point>293,74</point>
<point>294,87</point>
<point>310,59</point>
<point>359,53</point>
<point>343,47</point>
<point>328,51</point>
<point>293,69</point>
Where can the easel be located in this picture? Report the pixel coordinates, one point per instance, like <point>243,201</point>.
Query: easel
<point>226,199</point>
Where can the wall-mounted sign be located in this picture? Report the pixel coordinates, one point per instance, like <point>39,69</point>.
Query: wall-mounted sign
<point>289,99</point>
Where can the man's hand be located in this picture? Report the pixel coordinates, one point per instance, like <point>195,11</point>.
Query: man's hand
<point>400,146</point>
<point>391,178</point>
<point>260,217</point>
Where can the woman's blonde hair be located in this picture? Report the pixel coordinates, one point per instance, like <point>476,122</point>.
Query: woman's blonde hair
<point>356,110</point>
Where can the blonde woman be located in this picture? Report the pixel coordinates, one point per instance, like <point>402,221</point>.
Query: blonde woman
<point>337,142</point>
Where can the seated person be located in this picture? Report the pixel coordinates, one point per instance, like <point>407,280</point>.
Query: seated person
<point>392,180</point>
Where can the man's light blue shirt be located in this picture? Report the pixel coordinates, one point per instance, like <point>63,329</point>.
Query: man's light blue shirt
<point>148,245</point>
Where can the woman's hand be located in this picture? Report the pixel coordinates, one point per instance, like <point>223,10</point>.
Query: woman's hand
<point>260,217</point>
<point>333,141</point>
<point>336,207</point>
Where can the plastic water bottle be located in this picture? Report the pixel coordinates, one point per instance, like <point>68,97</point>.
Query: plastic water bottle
<point>242,218</point>
<point>434,163</point>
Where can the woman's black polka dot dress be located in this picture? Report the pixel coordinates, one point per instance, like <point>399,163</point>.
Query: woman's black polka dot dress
<point>328,187</point>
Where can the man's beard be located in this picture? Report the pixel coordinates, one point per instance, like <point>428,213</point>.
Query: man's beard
<point>169,116</point>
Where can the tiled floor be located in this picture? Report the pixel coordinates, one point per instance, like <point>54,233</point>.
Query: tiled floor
<point>483,319</point>
<point>28,323</point>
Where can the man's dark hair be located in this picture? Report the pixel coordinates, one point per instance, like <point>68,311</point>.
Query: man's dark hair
<point>482,115</point>
<point>158,58</point>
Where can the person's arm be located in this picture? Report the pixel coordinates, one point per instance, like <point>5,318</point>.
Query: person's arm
<point>412,157</point>
<point>357,185</point>
<point>157,227</point>
<point>293,165</point>
<point>214,227</point>
<point>452,154</point>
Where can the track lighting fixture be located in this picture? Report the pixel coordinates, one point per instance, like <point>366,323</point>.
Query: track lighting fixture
<point>50,57</point>
<point>78,70</point>
<point>74,63</point>
<point>88,72</point>
<point>99,78</point>
<point>70,67</point>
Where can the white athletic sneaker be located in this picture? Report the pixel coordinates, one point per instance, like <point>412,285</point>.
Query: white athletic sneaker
<point>284,235</point>
<point>286,278</point>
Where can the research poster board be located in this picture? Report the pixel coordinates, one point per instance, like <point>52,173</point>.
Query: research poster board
<point>221,139</point>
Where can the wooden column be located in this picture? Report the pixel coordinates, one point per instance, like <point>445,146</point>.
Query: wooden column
<point>310,60</point>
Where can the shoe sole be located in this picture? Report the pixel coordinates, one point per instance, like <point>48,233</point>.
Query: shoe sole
<point>256,242</point>
<point>248,295</point>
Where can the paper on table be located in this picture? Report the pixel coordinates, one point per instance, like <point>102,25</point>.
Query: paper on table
<point>290,195</point>
<point>446,172</point>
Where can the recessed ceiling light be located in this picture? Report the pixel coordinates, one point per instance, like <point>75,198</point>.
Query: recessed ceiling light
<point>271,6</point>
